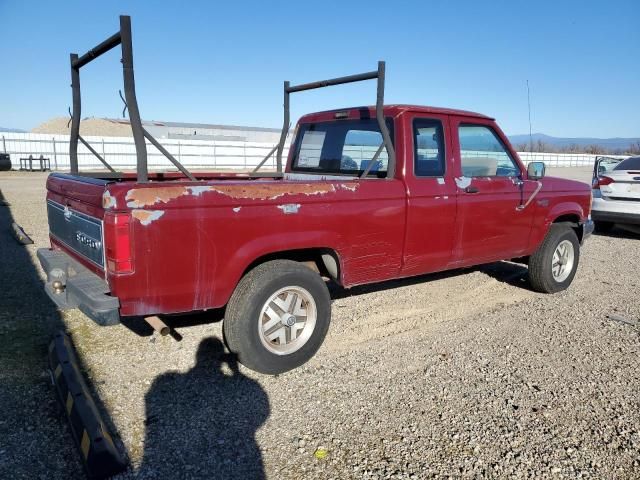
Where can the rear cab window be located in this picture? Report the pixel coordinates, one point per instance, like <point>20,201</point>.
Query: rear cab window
<point>341,147</point>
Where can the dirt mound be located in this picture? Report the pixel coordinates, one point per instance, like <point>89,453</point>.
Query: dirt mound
<point>102,127</point>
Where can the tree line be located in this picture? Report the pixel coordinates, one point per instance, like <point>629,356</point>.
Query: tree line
<point>542,146</point>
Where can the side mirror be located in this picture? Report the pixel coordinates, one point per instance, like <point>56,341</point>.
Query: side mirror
<point>535,170</point>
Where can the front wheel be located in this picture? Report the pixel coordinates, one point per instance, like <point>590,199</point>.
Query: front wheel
<point>277,317</point>
<point>555,262</point>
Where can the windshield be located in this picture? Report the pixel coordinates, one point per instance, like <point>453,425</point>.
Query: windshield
<point>341,147</point>
<point>631,163</point>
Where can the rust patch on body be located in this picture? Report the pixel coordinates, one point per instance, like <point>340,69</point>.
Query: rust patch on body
<point>145,197</point>
<point>146,217</point>
<point>270,192</point>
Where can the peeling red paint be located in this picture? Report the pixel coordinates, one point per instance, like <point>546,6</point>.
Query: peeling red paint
<point>146,197</point>
<point>352,187</point>
<point>270,192</point>
<point>146,217</point>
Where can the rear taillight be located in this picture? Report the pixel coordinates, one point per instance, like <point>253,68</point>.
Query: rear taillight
<point>601,181</point>
<point>117,239</point>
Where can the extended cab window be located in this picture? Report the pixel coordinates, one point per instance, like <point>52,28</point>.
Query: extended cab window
<point>482,154</point>
<point>340,147</point>
<point>428,148</point>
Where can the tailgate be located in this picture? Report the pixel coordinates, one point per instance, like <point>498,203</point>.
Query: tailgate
<point>74,209</point>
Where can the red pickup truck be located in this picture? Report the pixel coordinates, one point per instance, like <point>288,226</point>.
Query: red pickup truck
<point>368,194</point>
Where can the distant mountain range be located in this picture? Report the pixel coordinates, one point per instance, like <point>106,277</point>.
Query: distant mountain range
<point>558,142</point>
<point>608,143</point>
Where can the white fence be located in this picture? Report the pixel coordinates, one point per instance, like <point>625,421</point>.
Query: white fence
<point>563,159</point>
<point>120,153</point>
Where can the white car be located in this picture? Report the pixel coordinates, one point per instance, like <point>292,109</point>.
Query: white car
<point>616,192</point>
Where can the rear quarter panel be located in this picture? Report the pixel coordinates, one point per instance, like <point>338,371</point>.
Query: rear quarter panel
<point>193,242</point>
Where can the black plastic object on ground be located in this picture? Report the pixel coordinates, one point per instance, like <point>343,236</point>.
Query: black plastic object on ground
<point>20,234</point>
<point>5,162</point>
<point>100,456</point>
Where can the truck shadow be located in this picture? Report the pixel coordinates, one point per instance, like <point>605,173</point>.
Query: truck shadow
<point>202,423</point>
<point>506,272</point>
<point>191,319</point>
<point>35,439</point>
<point>511,273</point>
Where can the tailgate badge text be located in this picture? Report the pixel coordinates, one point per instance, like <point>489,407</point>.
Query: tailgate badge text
<point>84,239</point>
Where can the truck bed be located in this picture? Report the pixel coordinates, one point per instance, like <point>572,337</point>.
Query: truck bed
<point>192,241</point>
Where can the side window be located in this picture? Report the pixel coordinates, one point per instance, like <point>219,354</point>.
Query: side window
<point>428,148</point>
<point>482,154</point>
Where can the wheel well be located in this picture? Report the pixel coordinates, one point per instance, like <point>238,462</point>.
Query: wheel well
<point>323,260</point>
<point>572,220</point>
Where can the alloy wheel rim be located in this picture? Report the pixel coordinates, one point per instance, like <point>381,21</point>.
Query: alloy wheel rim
<point>287,320</point>
<point>562,261</point>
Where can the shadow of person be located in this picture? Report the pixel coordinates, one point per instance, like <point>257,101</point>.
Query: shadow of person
<point>202,423</point>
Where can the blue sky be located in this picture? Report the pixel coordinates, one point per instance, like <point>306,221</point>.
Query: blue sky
<point>224,62</point>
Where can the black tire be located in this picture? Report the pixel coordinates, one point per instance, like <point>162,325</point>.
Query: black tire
<point>540,269</point>
<point>603,227</point>
<point>241,326</point>
<point>5,162</point>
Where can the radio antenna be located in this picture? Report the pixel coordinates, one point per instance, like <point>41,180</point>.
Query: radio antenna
<point>529,105</point>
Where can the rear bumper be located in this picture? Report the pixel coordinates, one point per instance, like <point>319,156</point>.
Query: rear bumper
<point>616,217</point>
<point>616,211</point>
<point>83,289</point>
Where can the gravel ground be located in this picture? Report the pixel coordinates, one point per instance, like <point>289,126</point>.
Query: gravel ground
<point>462,374</point>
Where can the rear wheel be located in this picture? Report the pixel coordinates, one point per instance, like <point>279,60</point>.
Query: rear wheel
<point>553,266</point>
<point>277,317</point>
<point>603,227</point>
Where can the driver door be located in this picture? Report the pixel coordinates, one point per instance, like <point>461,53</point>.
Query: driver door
<point>490,188</point>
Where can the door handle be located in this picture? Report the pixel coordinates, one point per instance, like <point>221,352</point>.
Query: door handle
<point>471,189</point>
